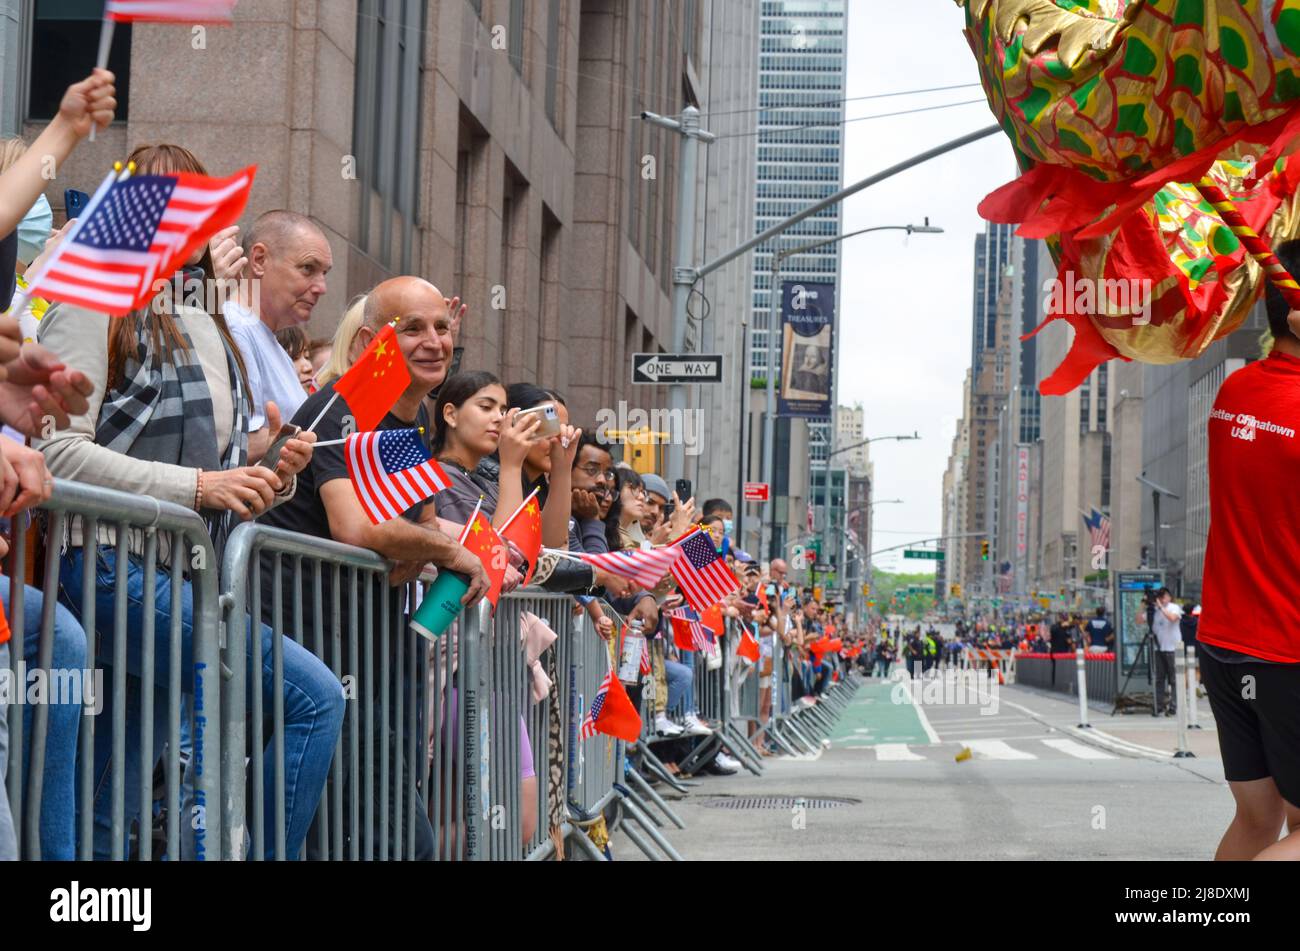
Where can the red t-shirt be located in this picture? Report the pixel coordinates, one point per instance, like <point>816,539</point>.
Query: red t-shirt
<point>1251,593</point>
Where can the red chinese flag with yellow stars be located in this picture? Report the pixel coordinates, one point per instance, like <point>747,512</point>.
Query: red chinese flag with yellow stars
<point>524,531</point>
<point>375,381</point>
<point>487,545</point>
<point>713,620</point>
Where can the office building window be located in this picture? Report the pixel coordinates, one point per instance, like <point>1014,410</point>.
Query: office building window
<point>517,36</point>
<point>555,9</point>
<point>385,138</point>
<point>64,44</point>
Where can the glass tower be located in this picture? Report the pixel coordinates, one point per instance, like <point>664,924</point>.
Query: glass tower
<point>800,160</point>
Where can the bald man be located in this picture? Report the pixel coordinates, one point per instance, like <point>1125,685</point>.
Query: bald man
<point>325,504</point>
<point>286,261</point>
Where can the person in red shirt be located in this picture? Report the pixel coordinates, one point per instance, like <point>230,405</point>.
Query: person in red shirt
<point>1249,630</point>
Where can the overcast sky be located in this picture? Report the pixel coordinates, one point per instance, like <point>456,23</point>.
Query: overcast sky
<point>905,304</point>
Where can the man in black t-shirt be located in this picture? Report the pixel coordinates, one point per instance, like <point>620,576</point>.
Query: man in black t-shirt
<point>1062,635</point>
<point>325,505</point>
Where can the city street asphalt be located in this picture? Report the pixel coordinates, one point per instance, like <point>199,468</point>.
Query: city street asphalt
<point>1033,786</point>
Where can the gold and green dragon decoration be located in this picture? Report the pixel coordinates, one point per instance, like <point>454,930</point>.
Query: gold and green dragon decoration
<point>1124,115</point>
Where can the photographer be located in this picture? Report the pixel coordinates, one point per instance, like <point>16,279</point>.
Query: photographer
<point>1168,636</point>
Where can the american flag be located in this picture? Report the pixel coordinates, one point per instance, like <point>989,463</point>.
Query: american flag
<point>1099,528</point>
<point>183,11</point>
<point>588,729</point>
<point>702,574</point>
<point>135,230</point>
<point>392,471</point>
<point>645,567</point>
<point>685,616</point>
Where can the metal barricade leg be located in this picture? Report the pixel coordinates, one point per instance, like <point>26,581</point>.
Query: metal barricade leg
<point>648,791</point>
<point>637,815</point>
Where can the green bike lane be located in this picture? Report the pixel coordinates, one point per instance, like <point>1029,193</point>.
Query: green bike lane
<point>874,716</point>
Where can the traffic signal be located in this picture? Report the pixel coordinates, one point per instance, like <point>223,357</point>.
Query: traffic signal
<point>955,590</point>
<point>984,550</point>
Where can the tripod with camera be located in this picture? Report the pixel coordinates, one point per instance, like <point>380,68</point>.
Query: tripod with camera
<point>1145,649</point>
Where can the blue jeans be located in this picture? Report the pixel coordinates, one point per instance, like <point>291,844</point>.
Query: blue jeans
<point>59,778</point>
<point>313,703</point>
<point>681,686</point>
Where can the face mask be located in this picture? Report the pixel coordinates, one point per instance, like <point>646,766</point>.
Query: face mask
<point>34,230</point>
<point>727,525</point>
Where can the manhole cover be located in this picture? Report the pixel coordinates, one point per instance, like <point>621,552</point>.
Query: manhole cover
<point>778,802</point>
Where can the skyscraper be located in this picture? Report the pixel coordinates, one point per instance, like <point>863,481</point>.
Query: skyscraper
<point>800,160</point>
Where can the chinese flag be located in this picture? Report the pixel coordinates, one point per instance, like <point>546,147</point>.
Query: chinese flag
<point>491,550</point>
<point>682,633</point>
<point>748,647</point>
<point>525,530</point>
<point>618,718</point>
<point>762,597</point>
<point>375,381</point>
<point>820,647</point>
<point>712,619</point>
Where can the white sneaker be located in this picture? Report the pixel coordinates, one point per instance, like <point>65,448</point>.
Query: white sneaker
<point>694,727</point>
<point>666,727</point>
<point>726,762</point>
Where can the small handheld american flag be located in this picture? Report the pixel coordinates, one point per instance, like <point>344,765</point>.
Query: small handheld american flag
<point>134,230</point>
<point>392,471</point>
<point>701,573</point>
<point>646,568</point>
<point>588,729</point>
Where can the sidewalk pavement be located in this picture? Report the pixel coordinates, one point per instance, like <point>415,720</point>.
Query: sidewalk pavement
<point>1138,734</point>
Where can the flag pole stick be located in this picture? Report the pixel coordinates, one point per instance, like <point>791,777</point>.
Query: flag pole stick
<point>105,47</point>
<point>562,552</point>
<point>316,421</point>
<point>520,509</point>
<point>340,442</point>
<point>23,296</point>
<point>472,515</point>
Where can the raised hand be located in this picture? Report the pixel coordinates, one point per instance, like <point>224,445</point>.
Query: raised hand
<point>90,103</point>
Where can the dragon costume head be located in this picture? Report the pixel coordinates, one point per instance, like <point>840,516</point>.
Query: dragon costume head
<point>1153,138</point>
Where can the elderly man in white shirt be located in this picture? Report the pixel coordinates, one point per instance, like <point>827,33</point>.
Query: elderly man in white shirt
<point>284,272</point>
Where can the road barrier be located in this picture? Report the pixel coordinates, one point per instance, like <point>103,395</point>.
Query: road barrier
<point>1059,673</point>
<point>436,737</point>
<point>171,544</point>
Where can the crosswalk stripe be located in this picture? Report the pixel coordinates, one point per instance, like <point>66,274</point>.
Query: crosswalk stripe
<point>1077,749</point>
<point>897,752</point>
<point>996,749</point>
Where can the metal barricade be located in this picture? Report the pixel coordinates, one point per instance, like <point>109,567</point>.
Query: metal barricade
<point>335,601</point>
<point>593,765</point>
<point>514,710</point>
<point>185,544</point>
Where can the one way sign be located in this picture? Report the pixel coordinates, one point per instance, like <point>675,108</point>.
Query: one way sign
<point>676,368</point>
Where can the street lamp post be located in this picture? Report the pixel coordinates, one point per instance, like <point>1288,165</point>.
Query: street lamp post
<point>773,330</point>
<point>1156,492</point>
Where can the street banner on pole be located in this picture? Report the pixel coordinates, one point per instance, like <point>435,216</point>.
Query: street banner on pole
<point>807,349</point>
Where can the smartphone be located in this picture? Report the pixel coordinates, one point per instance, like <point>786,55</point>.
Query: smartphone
<point>550,421</point>
<point>272,458</point>
<point>75,202</point>
<point>683,489</point>
<point>771,591</point>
